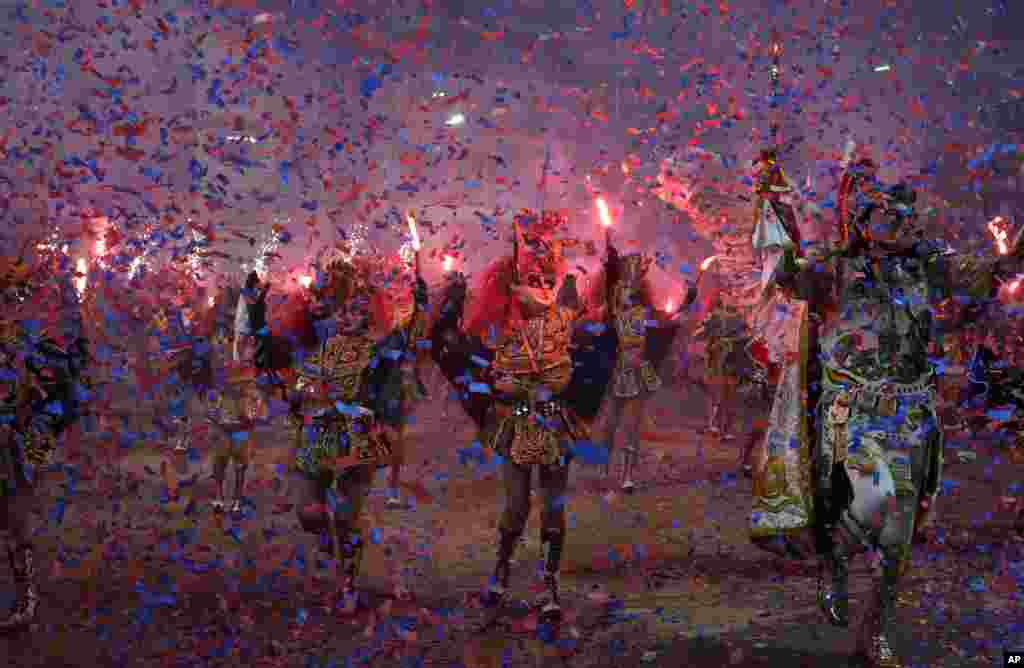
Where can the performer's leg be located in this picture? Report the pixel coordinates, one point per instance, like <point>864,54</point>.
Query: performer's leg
<point>510,528</point>
<point>633,418</point>
<point>353,487</point>
<point>614,421</point>
<point>395,472</point>
<point>727,412</point>
<point>241,456</point>
<point>220,469</point>
<point>754,440</point>
<point>554,483</point>
<point>908,471</point>
<point>19,501</point>
<point>835,601</point>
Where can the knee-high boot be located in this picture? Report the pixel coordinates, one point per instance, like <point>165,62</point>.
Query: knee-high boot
<point>26,600</point>
<point>348,569</point>
<point>834,601</point>
<point>630,455</point>
<point>873,640</point>
<point>239,488</point>
<point>507,543</point>
<point>549,603</point>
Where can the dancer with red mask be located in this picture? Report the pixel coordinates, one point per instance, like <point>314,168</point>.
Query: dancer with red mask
<point>44,375</point>
<point>513,364</point>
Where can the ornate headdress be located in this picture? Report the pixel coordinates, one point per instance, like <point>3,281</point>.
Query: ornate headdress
<point>540,253</point>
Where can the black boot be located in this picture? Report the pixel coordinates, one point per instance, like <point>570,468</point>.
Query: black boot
<point>873,642</point>
<point>549,602</point>
<point>26,600</point>
<point>236,507</point>
<point>834,601</point>
<point>348,571</point>
<point>498,590</point>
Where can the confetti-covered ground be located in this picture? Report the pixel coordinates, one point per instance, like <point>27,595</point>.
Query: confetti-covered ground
<point>141,572</point>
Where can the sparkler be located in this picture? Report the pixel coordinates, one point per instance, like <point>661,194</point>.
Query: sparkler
<point>447,263</point>
<point>306,281</point>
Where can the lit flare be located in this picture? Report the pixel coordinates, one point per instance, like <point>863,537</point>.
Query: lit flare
<point>447,263</point>
<point>414,231</point>
<point>306,281</point>
<point>707,263</point>
<point>82,267</point>
<point>602,210</point>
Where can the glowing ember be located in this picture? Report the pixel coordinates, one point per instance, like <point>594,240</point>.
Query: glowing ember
<point>306,281</point>
<point>210,300</point>
<point>414,232</point>
<point>707,263</point>
<point>999,234</point>
<point>447,263</point>
<point>669,306</point>
<point>602,210</point>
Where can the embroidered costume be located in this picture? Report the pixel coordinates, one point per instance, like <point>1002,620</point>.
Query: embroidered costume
<point>347,398</point>
<point>643,336</point>
<point>44,391</point>
<point>861,471</point>
<point>528,377</point>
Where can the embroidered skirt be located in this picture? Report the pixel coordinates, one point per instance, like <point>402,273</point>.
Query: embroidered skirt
<point>880,434</point>
<point>532,435</point>
<point>330,435</point>
<point>634,376</point>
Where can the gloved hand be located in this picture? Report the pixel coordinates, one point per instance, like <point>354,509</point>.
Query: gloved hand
<point>419,293</point>
<point>456,292</point>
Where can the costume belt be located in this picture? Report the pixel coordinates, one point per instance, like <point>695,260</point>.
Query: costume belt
<point>837,379</point>
<point>544,409</point>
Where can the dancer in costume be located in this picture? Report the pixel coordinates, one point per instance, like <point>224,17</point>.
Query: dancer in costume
<point>644,335</point>
<point>44,394</point>
<point>397,305</point>
<point>185,344</point>
<point>872,475</point>
<point>723,333</point>
<point>350,390</point>
<point>513,365</point>
<point>251,319</point>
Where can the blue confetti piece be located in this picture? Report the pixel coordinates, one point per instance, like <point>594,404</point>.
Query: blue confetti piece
<point>480,388</point>
<point>479,361</point>
<point>375,536</point>
<point>369,86</point>
<point>589,452</point>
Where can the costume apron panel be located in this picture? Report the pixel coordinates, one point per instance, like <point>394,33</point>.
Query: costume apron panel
<point>782,488</point>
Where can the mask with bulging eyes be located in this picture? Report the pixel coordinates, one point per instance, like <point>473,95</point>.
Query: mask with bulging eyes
<point>538,291</point>
<point>352,318</point>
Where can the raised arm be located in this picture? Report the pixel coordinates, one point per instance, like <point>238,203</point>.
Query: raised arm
<point>970,276</point>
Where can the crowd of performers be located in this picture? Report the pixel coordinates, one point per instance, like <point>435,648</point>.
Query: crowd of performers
<point>847,457</point>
